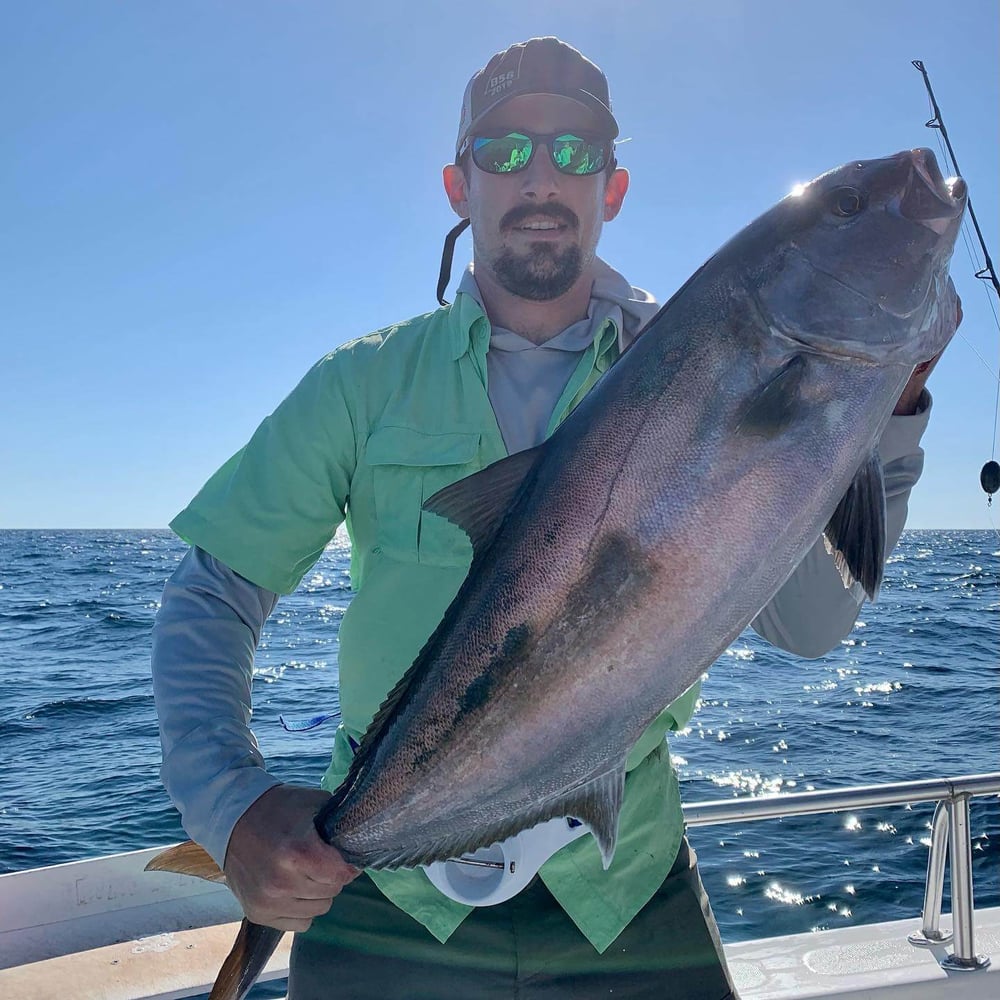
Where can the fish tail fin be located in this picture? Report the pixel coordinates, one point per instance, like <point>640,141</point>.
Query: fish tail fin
<point>253,946</point>
<point>187,859</point>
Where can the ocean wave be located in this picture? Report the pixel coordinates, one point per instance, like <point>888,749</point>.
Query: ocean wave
<point>75,707</point>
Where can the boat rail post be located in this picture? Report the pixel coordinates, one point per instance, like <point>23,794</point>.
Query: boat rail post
<point>964,957</point>
<point>930,934</point>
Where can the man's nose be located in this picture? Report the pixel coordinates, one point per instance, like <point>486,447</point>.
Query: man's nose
<point>540,179</point>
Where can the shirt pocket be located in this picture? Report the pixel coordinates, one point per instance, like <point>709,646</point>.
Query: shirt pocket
<point>408,468</point>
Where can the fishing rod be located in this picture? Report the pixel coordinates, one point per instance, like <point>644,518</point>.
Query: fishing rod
<point>989,477</point>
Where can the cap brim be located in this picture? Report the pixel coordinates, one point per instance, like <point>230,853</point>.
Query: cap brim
<point>606,122</point>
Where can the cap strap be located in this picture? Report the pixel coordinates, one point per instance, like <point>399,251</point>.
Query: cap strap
<point>446,258</point>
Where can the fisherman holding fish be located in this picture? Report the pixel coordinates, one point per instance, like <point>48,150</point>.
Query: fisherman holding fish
<point>372,435</point>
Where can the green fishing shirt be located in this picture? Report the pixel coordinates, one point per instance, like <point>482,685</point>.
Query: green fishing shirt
<point>372,431</point>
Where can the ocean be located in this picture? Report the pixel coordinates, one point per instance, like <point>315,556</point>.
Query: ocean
<point>912,693</point>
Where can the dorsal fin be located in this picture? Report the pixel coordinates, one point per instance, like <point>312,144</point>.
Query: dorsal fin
<point>479,503</point>
<point>855,535</point>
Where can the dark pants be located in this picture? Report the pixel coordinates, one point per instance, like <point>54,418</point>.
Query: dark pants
<point>366,948</point>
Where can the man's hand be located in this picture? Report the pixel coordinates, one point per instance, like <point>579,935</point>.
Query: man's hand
<point>276,864</point>
<point>907,403</point>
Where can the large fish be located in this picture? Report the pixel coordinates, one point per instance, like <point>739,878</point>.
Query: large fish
<point>615,562</point>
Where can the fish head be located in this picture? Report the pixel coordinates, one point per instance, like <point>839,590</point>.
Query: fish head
<point>858,260</point>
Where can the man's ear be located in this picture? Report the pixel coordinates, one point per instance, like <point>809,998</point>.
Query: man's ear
<point>456,186</point>
<point>614,193</point>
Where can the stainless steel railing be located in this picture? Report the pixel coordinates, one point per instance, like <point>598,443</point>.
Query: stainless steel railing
<point>949,836</point>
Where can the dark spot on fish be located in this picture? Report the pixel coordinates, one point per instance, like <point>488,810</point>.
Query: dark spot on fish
<point>476,694</point>
<point>515,643</point>
<point>617,574</point>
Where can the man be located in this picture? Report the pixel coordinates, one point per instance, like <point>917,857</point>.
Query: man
<point>372,431</point>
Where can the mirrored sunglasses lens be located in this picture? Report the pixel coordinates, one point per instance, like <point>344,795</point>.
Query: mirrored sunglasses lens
<point>503,155</point>
<point>573,155</point>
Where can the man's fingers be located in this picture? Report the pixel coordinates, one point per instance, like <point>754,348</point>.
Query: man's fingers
<point>280,923</point>
<point>289,914</point>
<point>335,875</point>
<point>314,862</point>
<point>310,888</point>
<point>295,885</point>
<point>299,909</point>
<point>311,907</point>
<point>278,866</point>
<point>309,869</point>
<point>317,888</point>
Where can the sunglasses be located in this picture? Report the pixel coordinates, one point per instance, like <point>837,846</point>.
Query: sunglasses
<point>571,154</point>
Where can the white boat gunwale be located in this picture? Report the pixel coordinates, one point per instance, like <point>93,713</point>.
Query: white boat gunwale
<point>106,928</point>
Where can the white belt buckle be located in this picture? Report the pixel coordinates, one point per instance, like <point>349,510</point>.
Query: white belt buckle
<point>496,873</point>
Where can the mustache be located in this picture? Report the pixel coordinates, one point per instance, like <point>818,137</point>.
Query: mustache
<point>556,212</point>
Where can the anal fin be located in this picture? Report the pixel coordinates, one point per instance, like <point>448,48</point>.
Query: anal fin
<point>598,804</point>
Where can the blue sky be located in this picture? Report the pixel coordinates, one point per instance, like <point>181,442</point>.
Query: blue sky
<point>202,198</point>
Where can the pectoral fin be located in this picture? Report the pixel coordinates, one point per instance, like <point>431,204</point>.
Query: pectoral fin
<point>778,402</point>
<point>856,534</point>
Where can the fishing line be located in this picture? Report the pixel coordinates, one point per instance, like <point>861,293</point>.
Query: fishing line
<point>989,477</point>
<point>977,266</point>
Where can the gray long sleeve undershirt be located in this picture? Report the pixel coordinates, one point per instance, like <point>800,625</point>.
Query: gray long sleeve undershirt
<point>204,639</point>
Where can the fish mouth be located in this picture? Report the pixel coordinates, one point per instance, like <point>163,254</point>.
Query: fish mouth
<point>928,198</point>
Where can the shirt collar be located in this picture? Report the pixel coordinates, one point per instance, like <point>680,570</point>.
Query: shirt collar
<point>470,328</point>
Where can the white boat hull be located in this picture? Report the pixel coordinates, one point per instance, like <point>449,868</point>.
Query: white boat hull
<point>107,930</point>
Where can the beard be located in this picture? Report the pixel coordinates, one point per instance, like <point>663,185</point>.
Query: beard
<point>544,273</point>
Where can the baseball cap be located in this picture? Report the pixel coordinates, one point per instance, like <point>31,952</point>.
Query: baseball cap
<point>538,66</point>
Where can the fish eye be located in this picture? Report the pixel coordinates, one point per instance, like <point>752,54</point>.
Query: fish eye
<point>846,201</point>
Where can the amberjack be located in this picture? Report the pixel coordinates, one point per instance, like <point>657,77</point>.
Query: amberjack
<point>615,562</point>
